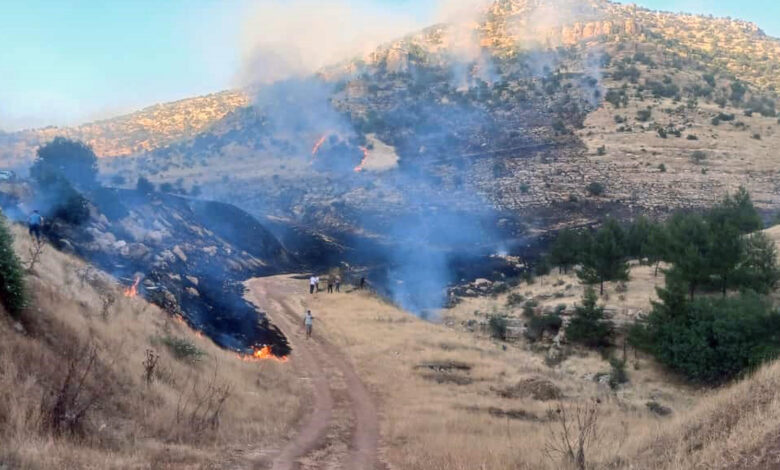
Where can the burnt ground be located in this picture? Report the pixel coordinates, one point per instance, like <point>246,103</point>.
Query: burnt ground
<point>191,256</point>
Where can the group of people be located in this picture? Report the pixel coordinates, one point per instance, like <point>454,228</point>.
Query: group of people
<point>334,284</point>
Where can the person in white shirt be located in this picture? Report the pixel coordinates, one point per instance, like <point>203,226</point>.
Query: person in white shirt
<point>312,284</point>
<point>308,322</point>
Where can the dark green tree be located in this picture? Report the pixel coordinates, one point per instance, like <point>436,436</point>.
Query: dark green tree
<point>637,236</point>
<point>689,250</point>
<point>655,248</point>
<point>589,325</point>
<point>71,159</point>
<point>758,269</point>
<point>604,257</point>
<point>566,250</point>
<point>12,293</point>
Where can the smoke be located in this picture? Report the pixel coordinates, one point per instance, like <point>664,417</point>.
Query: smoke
<point>297,38</point>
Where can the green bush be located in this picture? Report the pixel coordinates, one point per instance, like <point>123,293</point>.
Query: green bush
<point>497,325</point>
<point>710,339</point>
<point>183,349</point>
<point>12,293</point>
<point>595,188</point>
<point>529,307</point>
<point>538,325</point>
<point>589,325</point>
<point>514,299</point>
<point>617,375</point>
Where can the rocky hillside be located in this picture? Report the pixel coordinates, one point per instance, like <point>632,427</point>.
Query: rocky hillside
<point>131,134</point>
<point>187,256</point>
<point>528,116</point>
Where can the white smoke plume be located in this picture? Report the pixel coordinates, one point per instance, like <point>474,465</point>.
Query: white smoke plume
<point>295,38</point>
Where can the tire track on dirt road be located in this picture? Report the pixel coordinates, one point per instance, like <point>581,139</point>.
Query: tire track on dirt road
<point>318,358</point>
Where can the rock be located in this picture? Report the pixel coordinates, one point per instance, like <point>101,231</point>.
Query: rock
<point>192,279</point>
<point>535,387</point>
<point>192,291</point>
<point>19,328</point>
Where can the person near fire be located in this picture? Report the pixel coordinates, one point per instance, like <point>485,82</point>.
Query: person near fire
<point>312,283</point>
<point>34,224</point>
<point>308,322</point>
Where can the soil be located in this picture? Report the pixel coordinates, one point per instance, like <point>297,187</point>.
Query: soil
<point>341,430</point>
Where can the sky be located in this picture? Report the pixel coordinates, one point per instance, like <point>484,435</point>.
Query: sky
<point>68,62</point>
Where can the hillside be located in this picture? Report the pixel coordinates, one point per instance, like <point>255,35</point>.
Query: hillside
<point>131,134</point>
<point>78,389</point>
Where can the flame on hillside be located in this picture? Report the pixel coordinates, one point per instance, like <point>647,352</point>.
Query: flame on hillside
<point>262,354</point>
<point>317,146</point>
<point>359,168</point>
<point>132,291</point>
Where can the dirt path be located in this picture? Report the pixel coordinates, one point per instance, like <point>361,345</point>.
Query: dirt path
<point>341,430</point>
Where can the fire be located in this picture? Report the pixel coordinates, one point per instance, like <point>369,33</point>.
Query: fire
<point>132,291</point>
<point>318,145</point>
<point>359,168</point>
<point>261,354</point>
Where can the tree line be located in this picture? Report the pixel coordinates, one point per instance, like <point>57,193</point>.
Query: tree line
<point>714,318</point>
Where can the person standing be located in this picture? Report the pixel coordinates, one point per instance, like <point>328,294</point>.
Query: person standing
<point>316,283</point>
<point>34,223</point>
<point>308,322</point>
<point>338,284</point>
<point>330,284</point>
<point>312,284</point>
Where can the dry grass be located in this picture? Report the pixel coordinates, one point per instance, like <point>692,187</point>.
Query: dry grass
<point>192,413</point>
<point>440,417</point>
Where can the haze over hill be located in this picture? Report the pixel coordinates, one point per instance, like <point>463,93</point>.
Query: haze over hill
<point>509,119</point>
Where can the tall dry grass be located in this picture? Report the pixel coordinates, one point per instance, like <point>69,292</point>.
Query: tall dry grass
<point>74,390</point>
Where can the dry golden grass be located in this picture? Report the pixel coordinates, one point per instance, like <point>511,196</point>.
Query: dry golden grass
<point>463,422</point>
<point>131,424</point>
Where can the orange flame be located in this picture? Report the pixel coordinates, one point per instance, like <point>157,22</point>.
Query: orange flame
<point>318,145</point>
<point>132,291</point>
<point>261,354</point>
<point>359,168</point>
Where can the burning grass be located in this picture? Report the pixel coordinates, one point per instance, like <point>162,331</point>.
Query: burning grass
<point>78,388</point>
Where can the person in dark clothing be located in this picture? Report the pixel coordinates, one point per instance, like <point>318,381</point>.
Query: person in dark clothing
<point>34,223</point>
<point>362,283</point>
<point>330,285</point>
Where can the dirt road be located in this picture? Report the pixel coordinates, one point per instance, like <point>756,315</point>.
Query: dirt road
<point>341,430</point>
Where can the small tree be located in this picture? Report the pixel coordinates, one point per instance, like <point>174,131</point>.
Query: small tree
<point>12,293</point>
<point>72,159</point>
<point>604,258</point>
<point>655,246</point>
<point>589,325</point>
<point>144,186</point>
<point>565,250</point>
<point>758,269</point>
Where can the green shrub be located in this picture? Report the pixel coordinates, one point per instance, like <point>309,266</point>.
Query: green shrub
<point>498,326</point>
<point>12,292</point>
<point>698,156</point>
<point>530,307</point>
<point>183,349</point>
<point>617,375</point>
<point>514,299</point>
<point>589,325</point>
<point>662,168</point>
<point>643,115</point>
<point>710,339</point>
<point>538,325</point>
<point>595,188</point>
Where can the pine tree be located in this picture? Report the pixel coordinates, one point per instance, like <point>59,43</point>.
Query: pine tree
<point>565,250</point>
<point>589,325</point>
<point>605,257</point>
<point>758,269</point>
<point>12,293</point>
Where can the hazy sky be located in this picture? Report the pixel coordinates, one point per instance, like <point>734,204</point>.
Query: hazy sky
<point>65,62</point>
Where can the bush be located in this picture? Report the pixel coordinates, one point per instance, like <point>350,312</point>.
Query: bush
<point>144,186</point>
<point>183,349</point>
<point>12,293</point>
<point>710,340</point>
<point>698,156</point>
<point>514,299</point>
<point>538,325</point>
<point>498,326</point>
<point>529,307</point>
<point>589,325</point>
<point>601,151</point>
<point>644,115</point>
<point>662,168</point>
<point>595,188</point>
<point>617,375</point>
